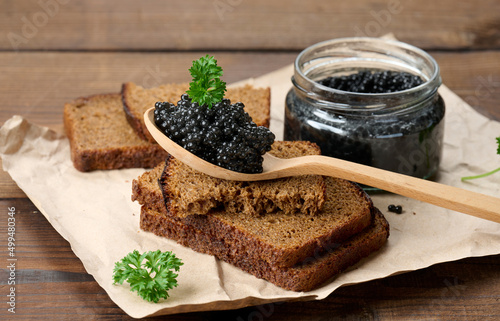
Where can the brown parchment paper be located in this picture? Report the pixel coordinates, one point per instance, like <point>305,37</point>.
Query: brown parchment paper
<point>94,212</point>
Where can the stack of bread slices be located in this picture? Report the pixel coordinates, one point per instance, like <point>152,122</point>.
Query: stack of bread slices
<point>296,232</point>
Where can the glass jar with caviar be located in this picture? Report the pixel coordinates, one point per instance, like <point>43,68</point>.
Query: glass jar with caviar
<point>370,101</point>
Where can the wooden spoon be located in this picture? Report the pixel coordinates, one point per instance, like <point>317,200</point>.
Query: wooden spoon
<point>453,198</point>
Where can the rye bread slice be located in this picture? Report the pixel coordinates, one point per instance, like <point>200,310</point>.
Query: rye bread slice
<point>306,275</point>
<point>137,99</point>
<point>278,238</point>
<point>191,192</point>
<point>101,138</point>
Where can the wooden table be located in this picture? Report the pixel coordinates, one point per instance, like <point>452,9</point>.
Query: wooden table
<point>52,51</point>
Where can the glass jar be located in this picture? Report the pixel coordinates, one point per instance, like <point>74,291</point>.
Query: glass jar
<point>399,131</point>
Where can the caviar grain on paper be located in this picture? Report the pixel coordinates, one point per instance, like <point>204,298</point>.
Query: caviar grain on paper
<point>94,212</point>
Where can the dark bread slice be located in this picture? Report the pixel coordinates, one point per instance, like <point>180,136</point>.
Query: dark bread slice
<point>137,99</point>
<point>191,192</point>
<point>146,189</point>
<point>307,275</point>
<point>101,138</point>
<point>278,238</point>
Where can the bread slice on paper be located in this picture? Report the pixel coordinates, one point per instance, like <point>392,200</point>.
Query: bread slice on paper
<point>101,138</point>
<point>307,275</point>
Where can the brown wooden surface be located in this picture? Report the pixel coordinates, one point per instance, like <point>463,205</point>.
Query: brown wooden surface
<point>66,49</point>
<point>243,25</point>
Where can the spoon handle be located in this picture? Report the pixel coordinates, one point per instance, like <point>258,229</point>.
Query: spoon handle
<point>453,198</point>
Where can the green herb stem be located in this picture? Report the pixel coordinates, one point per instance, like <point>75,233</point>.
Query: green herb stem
<point>481,176</point>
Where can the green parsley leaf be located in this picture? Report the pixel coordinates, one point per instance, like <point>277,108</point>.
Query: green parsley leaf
<point>488,173</point>
<point>206,88</point>
<point>149,274</point>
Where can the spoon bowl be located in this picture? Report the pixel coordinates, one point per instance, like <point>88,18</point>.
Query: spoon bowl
<point>453,198</point>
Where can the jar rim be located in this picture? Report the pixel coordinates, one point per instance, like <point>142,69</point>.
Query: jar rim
<point>395,53</point>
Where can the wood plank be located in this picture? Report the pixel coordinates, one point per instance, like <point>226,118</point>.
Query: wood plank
<point>9,188</point>
<point>475,77</point>
<point>35,241</point>
<point>242,25</point>
<point>36,85</point>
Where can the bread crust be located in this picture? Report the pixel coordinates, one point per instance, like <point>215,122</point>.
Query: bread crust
<point>81,123</point>
<point>135,120</point>
<point>306,275</point>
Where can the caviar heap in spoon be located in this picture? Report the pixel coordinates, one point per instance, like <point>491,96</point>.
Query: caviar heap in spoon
<point>475,204</point>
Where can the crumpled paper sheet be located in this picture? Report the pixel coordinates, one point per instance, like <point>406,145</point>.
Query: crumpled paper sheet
<point>94,212</point>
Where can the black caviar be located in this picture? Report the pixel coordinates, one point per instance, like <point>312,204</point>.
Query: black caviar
<point>224,134</point>
<point>373,82</point>
<point>398,209</point>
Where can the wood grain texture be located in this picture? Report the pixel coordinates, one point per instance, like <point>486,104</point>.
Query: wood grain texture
<point>9,188</point>
<point>242,25</point>
<point>36,85</point>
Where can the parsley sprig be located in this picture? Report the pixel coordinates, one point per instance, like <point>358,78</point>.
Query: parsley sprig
<point>488,173</point>
<point>206,88</point>
<point>149,274</point>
